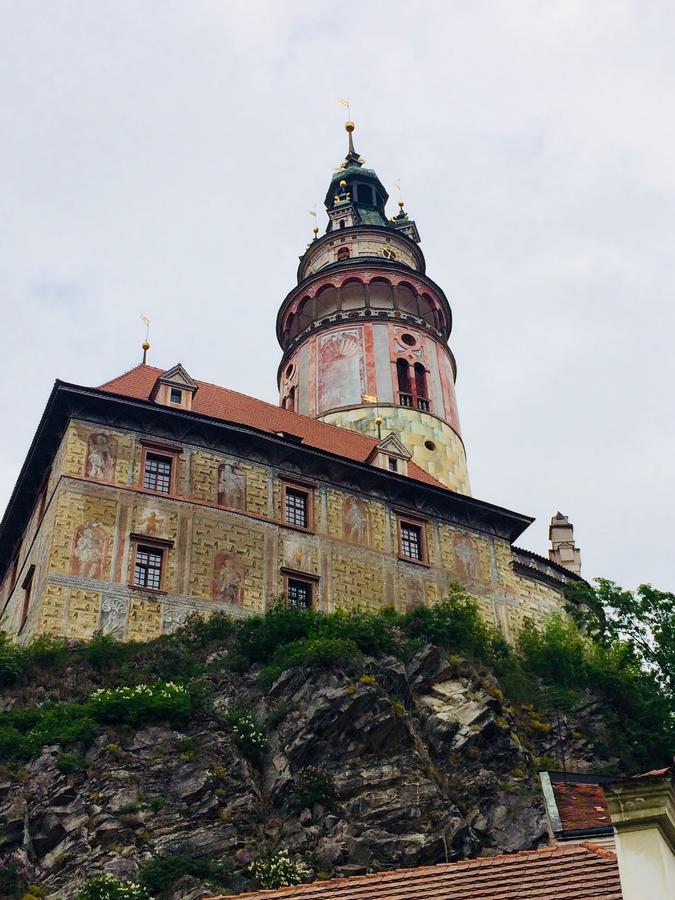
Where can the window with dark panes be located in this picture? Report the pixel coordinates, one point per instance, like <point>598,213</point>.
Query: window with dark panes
<point>176,395</point>
<point>296,507</point>
<point>299,593</point>
<point>157,473</point>
<point>411,541</point>
<point>393,464</point>
<point>148,568</point>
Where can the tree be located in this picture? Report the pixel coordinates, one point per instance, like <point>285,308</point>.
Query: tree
<point>643,619</point>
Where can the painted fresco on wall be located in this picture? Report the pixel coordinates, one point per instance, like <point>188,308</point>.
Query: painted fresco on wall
<point>150,522</point>
<point>101,456</point>
<point>467,560</point>
<point>414,592</point>
<point>355,520</point>
<point>297,554</point>
<point>90,544</point>
<point>340,369</point>
<point>231,486</point>
<point>228,578</point>
<point>114,614</point>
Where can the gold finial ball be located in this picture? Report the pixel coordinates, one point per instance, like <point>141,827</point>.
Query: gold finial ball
<point>315,230</point>
<point>378,420</point>
<point>146,345</point>
<point>343,183</point>
<point>401,203</point>
<point>349,126</point>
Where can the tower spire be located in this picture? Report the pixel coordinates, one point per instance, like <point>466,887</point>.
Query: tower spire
<point>352,158</point>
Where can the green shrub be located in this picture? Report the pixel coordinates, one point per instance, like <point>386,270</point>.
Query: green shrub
<point>259,637</point>
<point>103,652</point>
<point>143,703</point>
<point>160,874</point>
<point>12,661</point>
<point>217,627</point>
<point>455,624</point>
<point>248,734</point>
<point>316,652</point>
<point>47,652</point>
<point>313,785</point>
<point>107,887</point>
<point>69,763</point>
<point>274,870</point>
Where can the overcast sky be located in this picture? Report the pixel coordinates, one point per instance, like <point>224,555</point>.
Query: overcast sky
<point>162,156</point>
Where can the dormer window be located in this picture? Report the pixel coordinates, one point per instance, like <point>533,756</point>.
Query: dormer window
<point>174,388</point>
<point>390,455</point>
<point>393,464</point>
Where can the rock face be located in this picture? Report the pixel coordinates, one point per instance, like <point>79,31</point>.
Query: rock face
<point>415,765</point>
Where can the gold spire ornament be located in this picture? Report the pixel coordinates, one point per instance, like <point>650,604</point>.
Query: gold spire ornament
<point>315,230</point>
<point>146,343</point>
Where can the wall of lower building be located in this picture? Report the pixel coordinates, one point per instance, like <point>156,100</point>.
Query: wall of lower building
<point>227,547</point>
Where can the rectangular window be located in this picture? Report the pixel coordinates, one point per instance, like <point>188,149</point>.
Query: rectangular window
<point>299,593</point>
<point>148,567</point>
<point>393,464</point>
<point>157,473</point>
<point>176,395</point>
<point>412,543</point>
<point>296,507</point>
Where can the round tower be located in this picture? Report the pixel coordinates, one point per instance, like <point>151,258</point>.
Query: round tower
<point>364,333</point>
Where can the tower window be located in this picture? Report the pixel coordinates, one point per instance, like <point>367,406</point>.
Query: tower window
<point>411,540</point>
<point>343,253</point>
<point>393,464</point>
<point>421,394</point>
<point>364,194</point>
<point>157,473</point>
<point>342,223</point>
<point>403,376</point>
<point>176,395</point>
<point>148,567</point>
<point>296,507</point>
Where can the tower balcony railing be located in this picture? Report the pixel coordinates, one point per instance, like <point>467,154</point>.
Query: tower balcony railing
<point>405,399</point>
<point>412,402</point>
<point>423,404</point>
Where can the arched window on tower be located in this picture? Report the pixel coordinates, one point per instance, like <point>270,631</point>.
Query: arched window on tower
<point>343,253</point>
<point>421,390</point>
<point>404,392</point>
<point>289,403</point>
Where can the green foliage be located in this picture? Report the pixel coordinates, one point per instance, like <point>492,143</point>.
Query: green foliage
<point>160,874</point>
<point>103,652</point>
<point>12,661</point>
<point>317,652</point>
<point>69,763</point>
<point>47,652</point>
<point>107,887</point>
<point>274,870</point>
<point>248,734</point>
<point>162,701</point>
<point>313,785</point>
<point>643,619</point>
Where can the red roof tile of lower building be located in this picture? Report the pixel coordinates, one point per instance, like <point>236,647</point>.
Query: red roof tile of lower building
<point>581,805</point>
<point>230,406</point>
<point>566,872</point>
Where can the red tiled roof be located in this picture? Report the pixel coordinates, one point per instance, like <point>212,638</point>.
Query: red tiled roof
<point>566,872</point>
<point>230,406</point>
<point>581,805</point>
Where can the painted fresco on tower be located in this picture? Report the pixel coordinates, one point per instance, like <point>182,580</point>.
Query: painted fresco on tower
<point>228,578</point>
<point>101,456</point>
<point>467,558</point>
<point>341,369</point>
<point>355,520</point>
<point>231,486</point>
<point>449,399</point>
<point>90,544</point>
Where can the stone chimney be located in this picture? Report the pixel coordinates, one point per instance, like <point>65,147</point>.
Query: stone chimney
<point>562,549</point>
<point>642,810</point>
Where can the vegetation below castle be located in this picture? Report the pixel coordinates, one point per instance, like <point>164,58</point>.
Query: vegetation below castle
<point>236,678</point>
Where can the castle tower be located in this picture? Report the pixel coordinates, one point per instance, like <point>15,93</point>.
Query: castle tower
<point>364,333</point>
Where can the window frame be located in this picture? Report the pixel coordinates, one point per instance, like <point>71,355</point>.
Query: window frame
<point>177,390</point>
<point>407,521</point>
<point>170,454</point>
<point>302,579</point>
<point>300,487</point>
<point>155,545</point>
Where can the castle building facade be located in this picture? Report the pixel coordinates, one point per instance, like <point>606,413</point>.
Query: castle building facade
<point>157,495</point>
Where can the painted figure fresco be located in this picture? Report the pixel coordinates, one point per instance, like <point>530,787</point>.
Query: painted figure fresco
<point>151,523</point>
<point>90,544</point>
<point>297,554</point>
<point>340,369</point>
<point>231,486</point>
<point>228,578</point>
<point>355,520</point>
<point>466,557</point>
<point>101,456</point>
<point>414,592</point>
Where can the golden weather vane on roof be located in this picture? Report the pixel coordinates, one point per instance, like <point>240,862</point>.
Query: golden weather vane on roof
<point>312,213</point>
<point>146,342</point>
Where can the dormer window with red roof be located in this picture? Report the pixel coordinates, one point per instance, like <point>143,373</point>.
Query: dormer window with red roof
<point>174,388</point>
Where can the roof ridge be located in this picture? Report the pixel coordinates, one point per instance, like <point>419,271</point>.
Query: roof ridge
<point>598,850</point>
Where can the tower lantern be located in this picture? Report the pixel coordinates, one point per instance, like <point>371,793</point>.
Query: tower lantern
<point>364,333</point>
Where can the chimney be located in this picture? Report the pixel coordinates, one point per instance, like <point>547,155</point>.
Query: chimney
<point>562,549</point>
<point>642,810</point>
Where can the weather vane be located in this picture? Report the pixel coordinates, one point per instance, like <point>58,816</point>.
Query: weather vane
<point>146,342</point>
<point>345,103</point>
<point>312,213</point>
